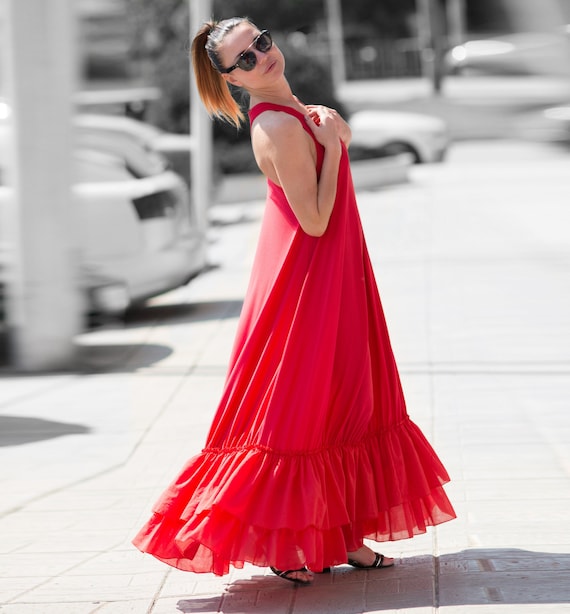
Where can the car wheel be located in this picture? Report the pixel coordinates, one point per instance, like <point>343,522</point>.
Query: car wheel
<point>396,148</point>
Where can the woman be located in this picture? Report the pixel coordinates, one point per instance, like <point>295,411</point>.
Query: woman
<point>311,449</point>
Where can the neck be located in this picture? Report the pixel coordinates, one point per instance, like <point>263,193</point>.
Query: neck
<point>278,95</point>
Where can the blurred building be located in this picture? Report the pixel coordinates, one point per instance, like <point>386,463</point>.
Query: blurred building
<point>401,45</point>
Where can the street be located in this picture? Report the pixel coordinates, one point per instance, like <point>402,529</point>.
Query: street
<point>472,259</point>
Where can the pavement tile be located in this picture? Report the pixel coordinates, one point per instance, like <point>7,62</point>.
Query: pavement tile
<point>97,588</point>
<point>78,501</point>
<point>170,605</point>
<point>52,608</point>
<point>398,600</point>
<point>127,606</point>
<point>119,562</point>
<point>21,389</point>
<point>12,587</point>
<point>278,601</point>
<point>49,564</point>
<point>515,538</point>
<point>179,583</point>
<point>342,576</point>
<point>500,560</point>
<point>528,489</point>
<point>80,542</point>
<point>470,275</point>
<point>505,587</point>
<point>348,598</point>
<point>244,601</point>
<point>504,576</point>
<point>497,608</point>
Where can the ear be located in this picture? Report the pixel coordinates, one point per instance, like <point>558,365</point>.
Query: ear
<point>229,77</point>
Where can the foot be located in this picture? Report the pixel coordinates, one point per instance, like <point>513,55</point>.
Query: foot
<point>298,576</point>
<point>366,558</point>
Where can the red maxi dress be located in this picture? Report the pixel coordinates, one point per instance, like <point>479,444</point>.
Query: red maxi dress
<point>311,449</point>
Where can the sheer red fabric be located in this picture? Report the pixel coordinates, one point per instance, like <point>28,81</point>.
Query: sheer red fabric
<point>311,449</point>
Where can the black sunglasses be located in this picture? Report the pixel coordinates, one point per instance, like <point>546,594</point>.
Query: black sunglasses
<point>248,60</point>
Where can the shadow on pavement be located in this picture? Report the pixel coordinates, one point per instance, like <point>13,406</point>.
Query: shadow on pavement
<point>93,356</point>
<point>130,357</point>
<point>183,312</point>
<point>503,575</point>
<point>499,576</point>
<point>18,430</point>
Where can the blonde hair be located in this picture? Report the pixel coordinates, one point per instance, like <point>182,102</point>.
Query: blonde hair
<point>214,90</point>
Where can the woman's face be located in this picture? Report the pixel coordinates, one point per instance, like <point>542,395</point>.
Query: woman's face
<point>241,38</point>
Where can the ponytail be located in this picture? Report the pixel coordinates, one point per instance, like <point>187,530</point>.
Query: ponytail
<point>212,87</point>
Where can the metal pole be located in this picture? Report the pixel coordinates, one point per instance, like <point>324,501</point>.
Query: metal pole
<point>336,38</point>
<point>438,42</point>
<point>431,41</point>
<point>424,38</point>
<point>456,15</point>
<point>44,308</point>
<point>200,129</point>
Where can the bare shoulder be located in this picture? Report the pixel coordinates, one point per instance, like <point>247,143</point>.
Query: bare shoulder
<point>279,138</point>
<point>275,126</point>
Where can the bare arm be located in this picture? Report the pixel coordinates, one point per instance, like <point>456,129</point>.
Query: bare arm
<point>287,155</point>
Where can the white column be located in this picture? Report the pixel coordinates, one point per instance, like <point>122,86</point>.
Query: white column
<point>200,128</point>
<point>43,300</point>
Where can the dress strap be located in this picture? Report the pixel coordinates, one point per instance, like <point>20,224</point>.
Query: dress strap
<point>260,107</point>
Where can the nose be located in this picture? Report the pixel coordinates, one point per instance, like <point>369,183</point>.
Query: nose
<point>261,56</point>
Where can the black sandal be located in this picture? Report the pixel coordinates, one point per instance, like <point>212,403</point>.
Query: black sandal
<point>286,575</point>
<point>378,563</point>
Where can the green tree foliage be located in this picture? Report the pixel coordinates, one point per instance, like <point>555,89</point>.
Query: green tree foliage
<point>487,17</point>
<point>160,32</point>
<point>388,18</point>
<point>160,43</point>
<point>160,40</point>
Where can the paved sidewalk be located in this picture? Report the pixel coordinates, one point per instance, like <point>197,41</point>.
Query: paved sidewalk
<point>472,259</point>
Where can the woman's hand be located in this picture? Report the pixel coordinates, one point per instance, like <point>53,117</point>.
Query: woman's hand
<point>326,117</point>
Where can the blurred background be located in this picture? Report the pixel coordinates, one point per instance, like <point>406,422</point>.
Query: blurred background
<point>95,95</point>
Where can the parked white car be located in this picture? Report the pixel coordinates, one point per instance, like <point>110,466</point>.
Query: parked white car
<point>386,133</point>
<point>551,124</point>
<point>138,234</point>
<point>97,128</point>
<point>521,53</point>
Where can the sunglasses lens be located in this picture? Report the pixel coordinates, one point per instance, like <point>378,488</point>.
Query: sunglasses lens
<point>264,42</point>
<point>247,61</point>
